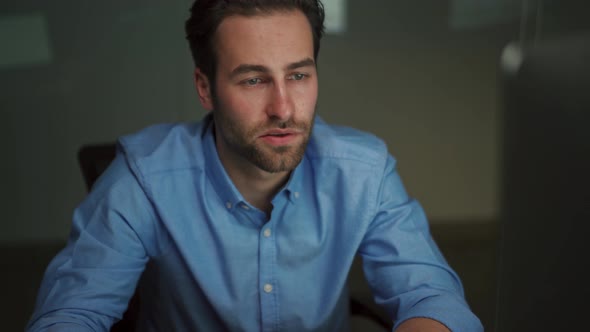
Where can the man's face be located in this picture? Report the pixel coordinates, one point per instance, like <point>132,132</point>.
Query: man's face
<point>266,90</point>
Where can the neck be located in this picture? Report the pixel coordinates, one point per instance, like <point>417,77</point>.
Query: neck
<point>257,186</point>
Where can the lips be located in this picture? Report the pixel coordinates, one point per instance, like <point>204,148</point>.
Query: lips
<point>279,132</point>
<point>279,137</point>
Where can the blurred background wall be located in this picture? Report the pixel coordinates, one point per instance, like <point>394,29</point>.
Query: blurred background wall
<point>110,68</point>
<point>422,75</point>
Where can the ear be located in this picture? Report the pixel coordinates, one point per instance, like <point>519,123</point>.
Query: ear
<point>203,86</point>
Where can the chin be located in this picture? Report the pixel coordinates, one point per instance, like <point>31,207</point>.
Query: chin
<point>281,162</point>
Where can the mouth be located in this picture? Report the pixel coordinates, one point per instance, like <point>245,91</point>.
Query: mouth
<point>279,137</point>
<point>279,132</point>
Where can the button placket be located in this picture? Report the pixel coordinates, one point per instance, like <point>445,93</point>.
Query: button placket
<point>267,278</point>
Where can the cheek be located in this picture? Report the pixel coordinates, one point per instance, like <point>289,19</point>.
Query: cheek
<point>242,104</point>
<point>306,100</point>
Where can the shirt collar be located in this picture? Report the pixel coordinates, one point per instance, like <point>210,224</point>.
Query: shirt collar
<point>294,184</point>
<point>221,181</point>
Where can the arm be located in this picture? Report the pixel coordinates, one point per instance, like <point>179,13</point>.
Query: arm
<point>421,325</point>
<point>407,273</point>
<point>88,284</point>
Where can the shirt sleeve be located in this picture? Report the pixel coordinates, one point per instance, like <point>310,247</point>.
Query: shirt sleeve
<point>405,269</point>
<point>87,286</point>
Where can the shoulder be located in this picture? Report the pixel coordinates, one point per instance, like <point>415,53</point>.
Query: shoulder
<point>340,143</point>
<point>164,147</point>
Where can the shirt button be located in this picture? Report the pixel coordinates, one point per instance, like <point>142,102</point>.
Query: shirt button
<point>228,205</point>
<point>245,207</point>
<point>267,232</point>
<point>296,194</point>
<point>268,288</point>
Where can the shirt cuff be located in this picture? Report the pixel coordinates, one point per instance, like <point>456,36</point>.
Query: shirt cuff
<point>447,310</point>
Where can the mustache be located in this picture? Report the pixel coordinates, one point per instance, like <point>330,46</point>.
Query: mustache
<point>289,124</point>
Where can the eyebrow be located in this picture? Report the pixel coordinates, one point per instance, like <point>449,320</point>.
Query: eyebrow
<point>303,63</point>
<point>247,68</point>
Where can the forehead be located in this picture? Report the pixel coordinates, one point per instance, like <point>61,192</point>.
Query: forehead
<point>272,39</point>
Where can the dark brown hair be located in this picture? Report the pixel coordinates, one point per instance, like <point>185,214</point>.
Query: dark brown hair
<point>206,15</point>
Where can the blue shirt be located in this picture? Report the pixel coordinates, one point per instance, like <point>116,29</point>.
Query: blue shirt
<point>214,262</point>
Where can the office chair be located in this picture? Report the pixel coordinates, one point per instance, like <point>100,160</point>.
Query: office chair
<point>94,159</point>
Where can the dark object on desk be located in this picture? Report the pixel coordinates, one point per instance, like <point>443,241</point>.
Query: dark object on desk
<point>544,269</point>
<point>94,159</point>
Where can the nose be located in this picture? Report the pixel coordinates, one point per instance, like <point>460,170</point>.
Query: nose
<point>280,106</point>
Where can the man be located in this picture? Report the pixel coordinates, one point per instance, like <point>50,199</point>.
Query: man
<point>250,219</point>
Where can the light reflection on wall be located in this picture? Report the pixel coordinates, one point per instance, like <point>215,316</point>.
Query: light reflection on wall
<point>470,13</point>
<point>336,13</point>
<point>24,41</point>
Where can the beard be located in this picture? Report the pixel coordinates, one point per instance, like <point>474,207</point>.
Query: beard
<point>242,141</point>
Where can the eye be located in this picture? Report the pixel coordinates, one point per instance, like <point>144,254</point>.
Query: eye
<point>298,76</point>
<point>252,81</point>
